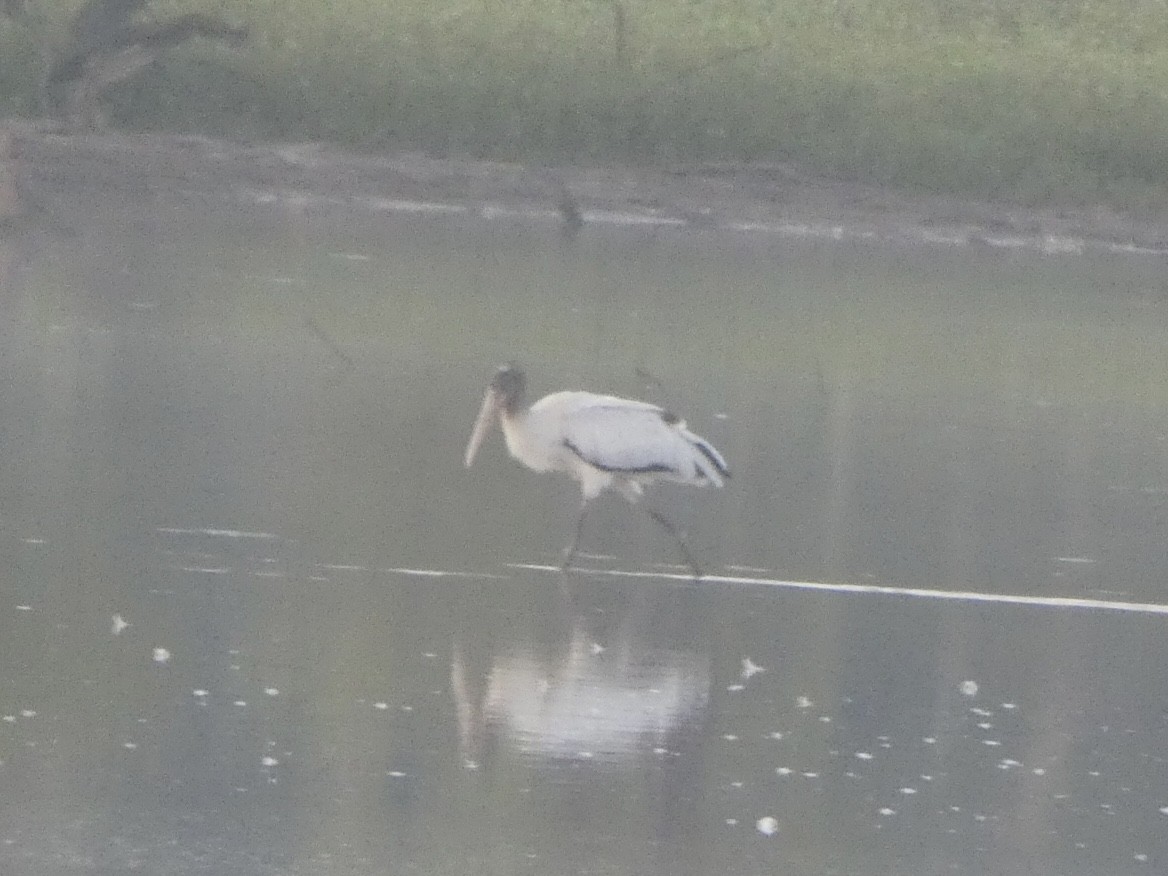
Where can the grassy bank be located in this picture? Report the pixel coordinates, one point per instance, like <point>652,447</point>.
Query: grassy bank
<point>1030,100</point>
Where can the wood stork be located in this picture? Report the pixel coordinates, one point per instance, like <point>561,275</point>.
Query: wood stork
<point>601,441</point>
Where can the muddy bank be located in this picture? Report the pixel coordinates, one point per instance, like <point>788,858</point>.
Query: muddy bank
<point>760,199</point>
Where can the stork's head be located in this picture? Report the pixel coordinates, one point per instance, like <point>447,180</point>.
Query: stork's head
<point>504,397</point>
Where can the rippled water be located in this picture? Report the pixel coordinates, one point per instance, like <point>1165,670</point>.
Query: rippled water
<point>256,617</point>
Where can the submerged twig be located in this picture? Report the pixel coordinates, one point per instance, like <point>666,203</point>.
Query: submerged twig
<point>331,345</point>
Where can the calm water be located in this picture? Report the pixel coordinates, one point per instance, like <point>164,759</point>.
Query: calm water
<point>256,618</point>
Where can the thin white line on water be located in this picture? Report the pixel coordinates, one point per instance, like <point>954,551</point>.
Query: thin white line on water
<point>439,573</point>
<point>223,533</point>
<point>883,590</point>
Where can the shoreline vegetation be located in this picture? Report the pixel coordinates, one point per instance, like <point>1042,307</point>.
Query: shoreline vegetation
<point>1035,103</point>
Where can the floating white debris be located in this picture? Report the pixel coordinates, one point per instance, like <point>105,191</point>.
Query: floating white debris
<point>864,755</point>
<point>776,734</point>
<point>783,771</point>
<point>803,703</point>
<point>929,740</point>
<point>24,608</point>
<point>381,706</point>
<point>736,784</point>
<point>750,669</point>
<point>731,821</point>
<point>199,692</point>
<point>887,810</point>
<point>1141,857</point>
<point>129,746</point>
<point>768,825</point>
<point>985,725</point>
<point>825,719</point>
<point>969,688</point>
<point>34,541</point>
<point>270,761</point>
<point>1009,705</point>
<point>596,649</point>
<point>161,655</point>
<point>908,791</point>
<point>9,719</point>
<point>28,713</point>
<point>991,742</point>
<point>119,623</point>
<point>1039,771</point>
<point>1164,810</point>
<point>397,774</point>
<point>981,713</point>
<point>734,688</point>
<point>272,691</point>
<point>240,703</point>
<point>730,737</point>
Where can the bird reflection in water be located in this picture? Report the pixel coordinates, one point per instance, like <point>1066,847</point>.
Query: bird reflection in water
<point>610,682</point>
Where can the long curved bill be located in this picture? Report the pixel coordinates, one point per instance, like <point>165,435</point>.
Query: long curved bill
<point>486,419</point>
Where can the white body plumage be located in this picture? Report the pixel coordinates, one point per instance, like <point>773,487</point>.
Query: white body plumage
<point>604,440</point>
<point>600,440</point>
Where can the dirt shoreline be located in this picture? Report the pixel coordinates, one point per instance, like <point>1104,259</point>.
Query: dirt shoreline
<point>744,198</point>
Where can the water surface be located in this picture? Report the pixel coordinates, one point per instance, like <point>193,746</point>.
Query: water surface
<point>255,617</point>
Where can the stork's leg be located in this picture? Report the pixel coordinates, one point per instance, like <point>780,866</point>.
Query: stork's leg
<point>677,534</point>
<point>570,550</point>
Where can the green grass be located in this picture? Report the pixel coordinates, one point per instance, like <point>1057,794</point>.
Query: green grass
<point>1036,101</point>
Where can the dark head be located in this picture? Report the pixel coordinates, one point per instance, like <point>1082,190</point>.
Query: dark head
<point>504,397</point>
<point>509,385</point>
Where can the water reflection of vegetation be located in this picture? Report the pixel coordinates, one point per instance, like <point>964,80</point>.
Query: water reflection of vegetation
<point>1046,329</point>
<point>1029,100</point>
